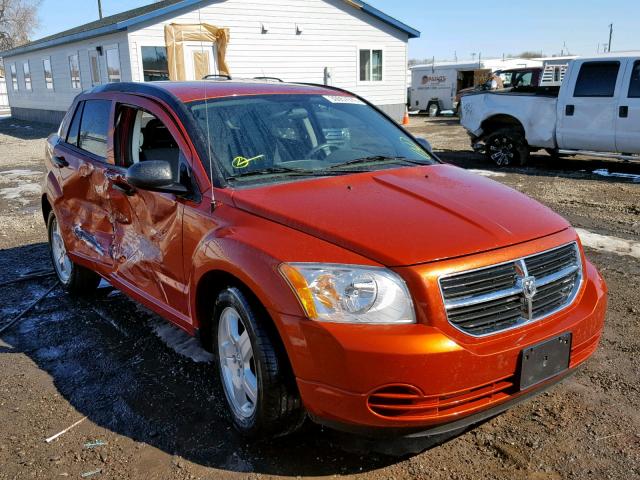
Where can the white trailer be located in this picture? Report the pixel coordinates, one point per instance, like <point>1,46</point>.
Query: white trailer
<point>434,87</point>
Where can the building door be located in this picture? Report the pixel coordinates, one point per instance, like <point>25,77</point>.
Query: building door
<point>200,60</point>
<point>628,117</point>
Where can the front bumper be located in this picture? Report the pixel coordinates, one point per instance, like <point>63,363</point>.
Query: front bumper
<point>417,378</point>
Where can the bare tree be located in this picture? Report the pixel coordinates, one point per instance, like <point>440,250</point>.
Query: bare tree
<point>18,20</point>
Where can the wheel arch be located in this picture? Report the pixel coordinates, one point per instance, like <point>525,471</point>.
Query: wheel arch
<point>46,207</point>
<point>497,122</point>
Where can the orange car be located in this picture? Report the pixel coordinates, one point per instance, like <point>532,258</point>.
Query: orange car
<point>334,265</point>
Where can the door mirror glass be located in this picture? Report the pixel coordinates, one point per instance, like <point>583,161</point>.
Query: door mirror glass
<point>425,144</point>
<point>155,176</point>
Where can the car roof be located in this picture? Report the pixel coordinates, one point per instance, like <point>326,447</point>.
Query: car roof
<point>208,89</point>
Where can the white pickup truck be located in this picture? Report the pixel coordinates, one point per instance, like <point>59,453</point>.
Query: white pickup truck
<point>596,112</point>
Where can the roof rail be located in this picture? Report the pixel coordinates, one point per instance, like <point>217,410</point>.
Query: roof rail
<point>217,76</point>
<point>273,79</point>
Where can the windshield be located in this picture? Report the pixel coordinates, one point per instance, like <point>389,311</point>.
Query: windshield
<point>272,138</point>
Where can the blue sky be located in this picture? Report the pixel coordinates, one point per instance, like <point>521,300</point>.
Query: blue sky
<point>455,26</point>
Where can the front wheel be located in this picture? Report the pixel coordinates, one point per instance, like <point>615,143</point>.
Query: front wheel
<point>507,147</point>
<point>258,386</point>
<point>74,278</point>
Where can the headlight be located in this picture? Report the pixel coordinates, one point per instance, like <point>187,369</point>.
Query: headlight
<point>350,294</point>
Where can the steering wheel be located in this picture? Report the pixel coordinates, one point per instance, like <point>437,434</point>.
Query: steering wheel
<point>321,148</point>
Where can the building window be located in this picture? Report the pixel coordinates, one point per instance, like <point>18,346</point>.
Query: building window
<point>154,64</point>
<point>27,76</point>
<point>74,68</point>
<point>370,65</point>
<point>94,65</point>
<point>48,73</point>
<point>113,64</point>
<point>14,77</point>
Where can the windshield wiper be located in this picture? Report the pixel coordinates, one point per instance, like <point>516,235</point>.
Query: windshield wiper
<point>376,158</point>
<point>283,171</point>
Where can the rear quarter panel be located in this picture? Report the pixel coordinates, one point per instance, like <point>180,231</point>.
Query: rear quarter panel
<point>537,114</point>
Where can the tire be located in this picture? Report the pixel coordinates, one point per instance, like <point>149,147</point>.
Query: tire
<point>75,279</point>
<point>433,110</point>
<point>277,409</point>
<point>507,147</point>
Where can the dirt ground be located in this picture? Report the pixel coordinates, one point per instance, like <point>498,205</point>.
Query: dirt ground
<point>154,413</point>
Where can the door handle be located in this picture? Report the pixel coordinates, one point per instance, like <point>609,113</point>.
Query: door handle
<point>624,111</point>
<point>570,110</point>
<point>59,162</point>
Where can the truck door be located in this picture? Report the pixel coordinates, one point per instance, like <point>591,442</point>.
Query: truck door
<point>587,115</point>
<point>628,115</point>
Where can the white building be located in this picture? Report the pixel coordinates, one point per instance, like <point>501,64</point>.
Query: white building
<point>346,43</point>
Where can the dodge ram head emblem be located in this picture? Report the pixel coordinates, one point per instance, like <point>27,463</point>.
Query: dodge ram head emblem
<point>529,287</point>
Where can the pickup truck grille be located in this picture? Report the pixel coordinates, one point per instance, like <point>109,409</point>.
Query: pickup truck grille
<point>492,299</point>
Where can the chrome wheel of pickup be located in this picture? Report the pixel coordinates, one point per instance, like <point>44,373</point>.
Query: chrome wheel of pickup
<point>237,364</point>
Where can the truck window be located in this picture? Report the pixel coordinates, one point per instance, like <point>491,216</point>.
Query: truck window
<point>94,129</point>
<point>597,79</point>
<point>634,86</point>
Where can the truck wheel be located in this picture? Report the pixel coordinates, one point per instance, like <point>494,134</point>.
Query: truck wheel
<point>433,110</point>
<point>75,279</point>
<point>507,147</point>
<point>260,391</point>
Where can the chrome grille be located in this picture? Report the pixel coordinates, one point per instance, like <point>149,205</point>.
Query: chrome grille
<point>500,297</point>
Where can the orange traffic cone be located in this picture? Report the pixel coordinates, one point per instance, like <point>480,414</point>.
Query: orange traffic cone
<point>405,120</point>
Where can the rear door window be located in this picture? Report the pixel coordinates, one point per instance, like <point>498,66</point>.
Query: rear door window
<point>634,86</point>
<point>74,129</point>
<point>597,79</point>
<point>94,129</point>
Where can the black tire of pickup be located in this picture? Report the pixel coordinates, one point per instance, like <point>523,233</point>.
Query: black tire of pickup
<point>278,409</point>
<point>507,147</point>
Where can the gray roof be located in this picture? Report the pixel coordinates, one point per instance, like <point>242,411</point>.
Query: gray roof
<point>121,21</point>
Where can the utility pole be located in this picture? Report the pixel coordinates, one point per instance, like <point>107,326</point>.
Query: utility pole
<point>100,9</point>
<point>610,35</point>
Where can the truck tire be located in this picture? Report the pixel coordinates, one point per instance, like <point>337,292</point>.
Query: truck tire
<point>75,279</point>
<point>433,109</point>
<point>507,147</point>
<point>254,373</point>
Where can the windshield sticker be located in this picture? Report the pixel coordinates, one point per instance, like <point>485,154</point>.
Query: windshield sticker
<point>343,99</point>
<point>415,148</point>
<point>242,162</point>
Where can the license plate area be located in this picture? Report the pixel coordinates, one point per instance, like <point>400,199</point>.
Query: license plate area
<point>545,360</point>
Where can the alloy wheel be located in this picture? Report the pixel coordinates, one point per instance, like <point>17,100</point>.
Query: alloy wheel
<point>237,364</point>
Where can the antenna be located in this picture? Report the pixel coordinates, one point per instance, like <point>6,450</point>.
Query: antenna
<point>100,9</point>
<point>610,35</point>
<point>206,109</point>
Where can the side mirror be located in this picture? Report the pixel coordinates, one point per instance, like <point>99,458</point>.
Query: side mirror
<point>425,144</point>
<point>155,176</point>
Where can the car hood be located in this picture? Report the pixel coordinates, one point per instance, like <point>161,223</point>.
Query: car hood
<point>405,216</point>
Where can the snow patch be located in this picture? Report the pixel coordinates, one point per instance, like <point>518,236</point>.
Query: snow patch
<point>20,192</point>
<point>18,174</point>
<point>181,342</point>
<point>606,173</point>
<point>487,173</point>
<point>605,243</point>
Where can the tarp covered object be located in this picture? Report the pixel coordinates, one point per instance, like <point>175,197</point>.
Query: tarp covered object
<point>177,34</point>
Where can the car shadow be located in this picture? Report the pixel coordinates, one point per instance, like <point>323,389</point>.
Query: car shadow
<point>542,165</point>
<point>106,361</point>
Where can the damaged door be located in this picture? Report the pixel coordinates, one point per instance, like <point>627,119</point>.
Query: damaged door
<point>82,159</point>
<point>147,227</point>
